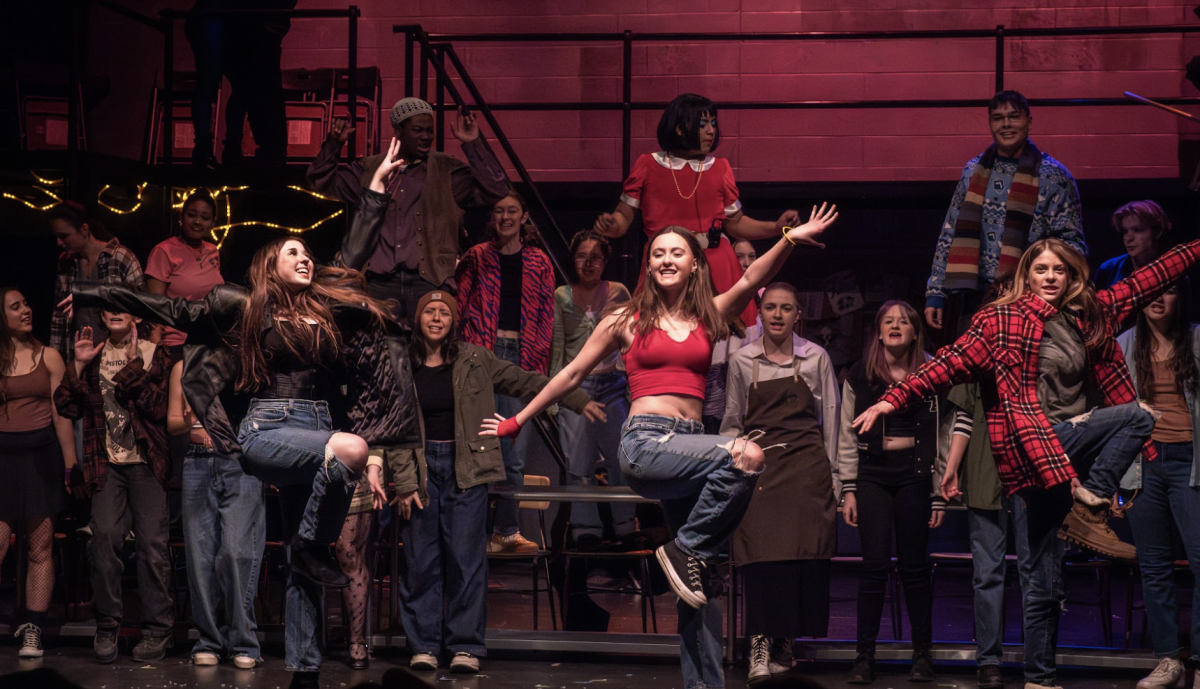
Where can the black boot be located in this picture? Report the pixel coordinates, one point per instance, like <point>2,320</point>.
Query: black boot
<point>922,667</point>
<point>312,561</point>
<point>863,671</point>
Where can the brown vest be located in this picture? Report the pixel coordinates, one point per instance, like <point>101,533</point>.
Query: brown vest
<point>440,220</point>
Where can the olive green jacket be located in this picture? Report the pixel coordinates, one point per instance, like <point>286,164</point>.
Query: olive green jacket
<point>478,375</point>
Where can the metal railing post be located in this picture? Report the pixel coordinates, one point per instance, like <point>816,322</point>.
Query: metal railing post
<point>168,29</point>
<point>626,103</point>
<point>352,79</point>
<point>423,87</point>
<point>999,57</point>
<point>408,60</point>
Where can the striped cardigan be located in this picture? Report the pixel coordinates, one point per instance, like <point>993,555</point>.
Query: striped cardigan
<point>478,278</point>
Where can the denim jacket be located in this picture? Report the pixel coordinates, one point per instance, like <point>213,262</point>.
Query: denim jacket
<point>1133,478</point>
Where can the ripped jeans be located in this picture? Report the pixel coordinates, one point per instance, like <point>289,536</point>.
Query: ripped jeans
<point>1104,443</point>
<point>704,497</point>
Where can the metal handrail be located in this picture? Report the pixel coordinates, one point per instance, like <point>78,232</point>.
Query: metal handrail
<point>627,105</point>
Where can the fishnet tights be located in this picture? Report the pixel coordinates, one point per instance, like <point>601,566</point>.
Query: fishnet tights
<point>351,554</point>
<point>39,577</point>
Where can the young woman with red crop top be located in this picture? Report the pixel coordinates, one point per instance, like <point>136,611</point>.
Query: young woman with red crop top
<point>704,482</point>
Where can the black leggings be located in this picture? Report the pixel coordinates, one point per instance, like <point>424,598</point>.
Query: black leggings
<point>892,497</point>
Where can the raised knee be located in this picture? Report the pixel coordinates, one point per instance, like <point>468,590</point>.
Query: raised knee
<point>350,450</point>
<point>752,459</point>
<point>1147,417</point>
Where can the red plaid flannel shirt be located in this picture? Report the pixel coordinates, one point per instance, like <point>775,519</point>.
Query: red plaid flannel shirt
<point>1003,344</point>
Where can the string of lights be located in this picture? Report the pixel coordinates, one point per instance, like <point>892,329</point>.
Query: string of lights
<point>100,200</point>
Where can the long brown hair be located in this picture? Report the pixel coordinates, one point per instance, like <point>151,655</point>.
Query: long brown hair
<point>269,295</point>
<point>529,234</point>
<point>1080,294</point>
<point>649,305</point>
<point>418,351</point>
<point>1179,333</point>
<point>7,350</point>
<point>876,363</point>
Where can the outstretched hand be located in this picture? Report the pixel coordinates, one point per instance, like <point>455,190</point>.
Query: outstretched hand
<point>387,167</point>
<point>500,427</point>
<point>866,420</point>
<point>340,131</point>
<point>464,127</point>
<point>85,349</point>
<point>818,220</point>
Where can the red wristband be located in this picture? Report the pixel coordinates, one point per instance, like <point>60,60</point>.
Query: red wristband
<point>509,428</point>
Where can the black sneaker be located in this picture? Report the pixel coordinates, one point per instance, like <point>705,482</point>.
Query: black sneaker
<point>989,677</point>
<point>31,640</point>
<point>105,645</point>
<point>685,574</point>
<point>153,647</point>
<point>863,671</point>
<point>922,667</point>
<point>312,561</point>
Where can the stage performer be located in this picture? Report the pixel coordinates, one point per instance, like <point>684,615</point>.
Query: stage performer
<point>577,309</point>
<point>666,333</point>
<point>416,247</point>
<point>1007,197</point>
<point>186,265</point>
<point>890,484</point>
<point>1038,346</point>
<point>685,185</point>
<point>287,343</point>
<point>441,485</point>
<point>1162,351</point>
<point>1143,226</point>
<point>37,453</point>
<point>506,298</point>
<point>784,386</point>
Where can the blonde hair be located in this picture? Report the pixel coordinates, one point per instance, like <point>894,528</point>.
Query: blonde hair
<point>1079,295</point>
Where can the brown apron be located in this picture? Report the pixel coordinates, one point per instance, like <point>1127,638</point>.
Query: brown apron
<point>792,513</point>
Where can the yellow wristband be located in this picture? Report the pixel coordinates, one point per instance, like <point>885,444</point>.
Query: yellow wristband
<point>785,235</point>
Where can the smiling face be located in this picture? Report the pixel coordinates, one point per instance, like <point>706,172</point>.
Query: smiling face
<point>294,266</point>
<point>1049,277</point>
<point>1140,240</point>
<point>589,262</point>
<point>1162,309</point>
<point>435,322</point>
<point>197,221</point>
<point>508,216</point>
<point>18,317</point>
<point>896,330</point>
<point>1010,129</point>
<point>779,312</point>
<point>118,324</point>
<point>671,262</point>
<point>416,137</point>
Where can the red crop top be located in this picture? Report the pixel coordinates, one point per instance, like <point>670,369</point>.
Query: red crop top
<point>658,365</point>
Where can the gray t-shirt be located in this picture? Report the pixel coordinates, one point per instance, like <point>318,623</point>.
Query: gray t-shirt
<point>1061,366</point>
<point>119,438</point>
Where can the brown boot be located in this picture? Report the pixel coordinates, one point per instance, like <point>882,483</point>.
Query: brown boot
<point>1089,529</point>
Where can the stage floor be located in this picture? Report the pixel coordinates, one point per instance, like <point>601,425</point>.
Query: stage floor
<point>528,671</point>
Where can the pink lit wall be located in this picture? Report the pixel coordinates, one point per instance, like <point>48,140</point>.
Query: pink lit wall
<point>895,145</point>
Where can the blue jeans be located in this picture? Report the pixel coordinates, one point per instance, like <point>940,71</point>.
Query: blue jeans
<point>444,595</point>
<point>284,443</point>
<point>989,539</point>
<point>704,498</point>
<point>1037,516</point>
<point>1104,443</point>
<point>585,442</point>
<point>224,526</point>
<point>513,449</point>
<point>1166,502</point>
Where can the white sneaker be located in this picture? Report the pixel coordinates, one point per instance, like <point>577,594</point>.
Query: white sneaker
<point>205,658</point>
<point>781,659</point>
<point>1034,685</point>
<point>423,662</point>
<point>1165,676</point>
<point>759,659</point>
<point>246,662</point>
<point>464,662</point>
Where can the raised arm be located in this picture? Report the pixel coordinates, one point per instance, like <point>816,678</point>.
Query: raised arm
<point>326,176</point>
<point>1147,283</point>
<point>603,342</point>
<point>734,300</point>
<point>360,240</point>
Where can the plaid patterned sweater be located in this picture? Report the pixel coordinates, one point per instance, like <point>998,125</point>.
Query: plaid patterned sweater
<point>1003,345</point>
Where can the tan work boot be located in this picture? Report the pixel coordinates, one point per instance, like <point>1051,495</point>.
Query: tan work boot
<point>514,543</point>
<point>1089,529</point>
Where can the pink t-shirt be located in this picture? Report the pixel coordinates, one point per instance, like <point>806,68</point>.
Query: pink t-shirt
<point>190,273</point>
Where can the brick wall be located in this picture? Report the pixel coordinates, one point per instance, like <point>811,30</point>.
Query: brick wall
<point>847,145</point>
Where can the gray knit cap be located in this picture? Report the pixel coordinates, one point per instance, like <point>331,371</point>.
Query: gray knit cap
<point>409,107</point>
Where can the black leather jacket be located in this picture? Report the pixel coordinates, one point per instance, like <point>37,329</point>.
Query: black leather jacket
<point>380,393</point>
